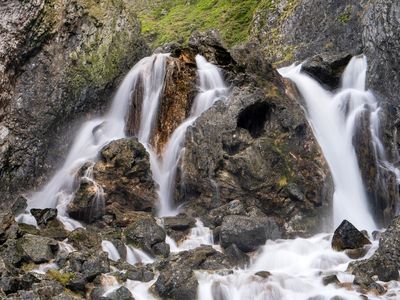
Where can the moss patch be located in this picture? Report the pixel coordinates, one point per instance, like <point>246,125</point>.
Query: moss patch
<point>172,20</point>
<point>62,278</point>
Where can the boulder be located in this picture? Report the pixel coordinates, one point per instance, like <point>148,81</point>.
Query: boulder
<point>43,216</point>
<point>346,236</point>
<point>244,232</point>
<point>177,279</point>
<point>144,233</point>
<point>37,249</point>
<point>384,263</point>
<point>83,239</point>
<point>122,175</point>
<point>327,68</point>
<point>121,293</point>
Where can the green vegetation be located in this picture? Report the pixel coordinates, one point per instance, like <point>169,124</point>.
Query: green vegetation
<point>346,15</point>
<point>62,278</point>
<point>173,20</point>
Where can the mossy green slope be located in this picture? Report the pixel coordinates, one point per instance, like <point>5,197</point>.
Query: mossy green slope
<point>173,20</point>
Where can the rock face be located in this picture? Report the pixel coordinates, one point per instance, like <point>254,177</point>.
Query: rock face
<point>256,148</point>
<point>176,97</point>
<point>297,30</point>
<point>346,236</point>
<point>122,175</point>
<point>58,61</point>
<point>385,262</point>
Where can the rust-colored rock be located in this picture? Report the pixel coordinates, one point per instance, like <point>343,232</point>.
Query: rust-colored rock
<point>176,101</point>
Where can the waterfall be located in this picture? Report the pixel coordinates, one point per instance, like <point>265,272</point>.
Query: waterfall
<point>94,134</point>
<point>333,117</point>
<point>211,88</point>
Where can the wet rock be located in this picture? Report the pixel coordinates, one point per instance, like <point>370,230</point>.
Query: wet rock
<point>144,233</point>
<point>43,216</point>
<point>6,221</point>
<point>161,249</point>
<point>177,97</point>
<point>83,239</point>
<point>367,285</point>
<point>234,207</point>
<point>180,222</point>
<point>256,148</point>
<point>88,264</point>
<point>357,253</point>
<point>37,249</point>
<point>121,176</point>
<point>121,293</point>
<point>237,257</point>
<point>209,44</point>
<point>177,279</point>
<point>346,236</point>
<point>263,274</point>
<point>327,68</point>
<point>140,274</point>
<point>330,279</point>
<point>179,226</point>
<point>385,261</point>
<point>245,232</point>
<point>76,53</point>
<point>77,283</point>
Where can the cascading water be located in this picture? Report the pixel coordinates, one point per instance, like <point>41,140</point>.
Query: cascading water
<point>95,134</point>
<point>333,118</point>
<point>297,265</point>
<point>211,88</point>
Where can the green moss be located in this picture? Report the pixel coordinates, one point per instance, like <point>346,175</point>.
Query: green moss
<point>62,278</point>
<point>99,60</point>
<point>166,21</point>
<point>346,15</point>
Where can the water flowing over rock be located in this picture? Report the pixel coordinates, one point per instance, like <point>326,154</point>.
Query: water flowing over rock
<point>123,176</point>
<point>385,261</point>
<point>75,53</point>
<point>256,148</point>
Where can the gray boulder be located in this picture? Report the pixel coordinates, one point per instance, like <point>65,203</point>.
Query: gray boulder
<point>37,249</point>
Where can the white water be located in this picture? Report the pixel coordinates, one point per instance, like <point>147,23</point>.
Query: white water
<point>198,235</point>
<point>333,118</point>
<point>111,250</point>
<point>296,266</point>
<point>211,88</point>
<point>94,135</point>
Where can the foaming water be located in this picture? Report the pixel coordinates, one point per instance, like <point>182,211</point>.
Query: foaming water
<point>111,250</point>
<point>199,235</point>
<point>92,137</point>
<point>211,88</point>
<point>296,266</point>
<point>333,117</point>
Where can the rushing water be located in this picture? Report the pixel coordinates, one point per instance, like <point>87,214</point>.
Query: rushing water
<point>95,134</point>
<point>333,117</point>
<point>211,88</point>
<point>296,265</point>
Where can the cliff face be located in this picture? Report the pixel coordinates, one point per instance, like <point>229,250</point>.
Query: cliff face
<point>298,29</point>
<point>59,62</point>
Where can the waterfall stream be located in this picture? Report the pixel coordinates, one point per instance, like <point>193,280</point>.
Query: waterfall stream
<point>333,117</point>
<point>296,265</point>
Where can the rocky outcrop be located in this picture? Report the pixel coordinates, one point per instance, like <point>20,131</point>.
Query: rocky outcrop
<point>122,175</point>
<point>346,236</point>
<point>177,279</point>
<point>298,29</point>
<point>58,61</point>
<point>176,97</point>
<point>385,262</point>
<point>256,148</point>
